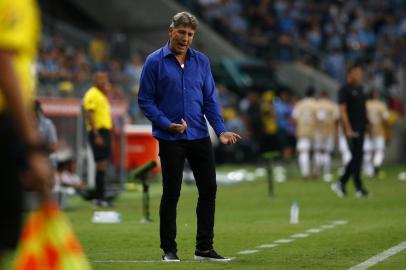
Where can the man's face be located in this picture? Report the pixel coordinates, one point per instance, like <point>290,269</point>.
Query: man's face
<point>180,39</point>
<point>101,80</point>
<point>355,75</point>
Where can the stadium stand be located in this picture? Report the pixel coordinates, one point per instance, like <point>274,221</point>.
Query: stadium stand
<point>322,36</point>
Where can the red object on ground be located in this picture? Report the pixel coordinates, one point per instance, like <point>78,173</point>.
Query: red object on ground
<point>141,147</point>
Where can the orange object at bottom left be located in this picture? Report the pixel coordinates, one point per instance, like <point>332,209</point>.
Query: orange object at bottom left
<point>49,243</point>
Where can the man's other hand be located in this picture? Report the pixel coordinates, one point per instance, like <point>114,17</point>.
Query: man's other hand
<point>229,137</point>
<point>349,133</point>
<point>178,128</point>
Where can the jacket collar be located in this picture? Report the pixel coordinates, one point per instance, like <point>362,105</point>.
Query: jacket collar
<point>167,51</point>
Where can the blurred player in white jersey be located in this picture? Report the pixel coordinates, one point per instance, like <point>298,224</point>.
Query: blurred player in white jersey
<point>327,116</point>
<point>304,116</point>
<point>374,145</point>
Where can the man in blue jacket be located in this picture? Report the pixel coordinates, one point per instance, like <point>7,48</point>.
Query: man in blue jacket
<point>177,93</point>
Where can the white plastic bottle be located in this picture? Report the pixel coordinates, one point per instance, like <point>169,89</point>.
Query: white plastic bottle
<point>294,213</point>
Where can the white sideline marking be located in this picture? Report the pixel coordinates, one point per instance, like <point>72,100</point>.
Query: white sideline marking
<point>284,241</point>
<point>151,261</point>
<point>250,251</point>
<point>328,226</point>
<point>300,235</point>
<point>340,222</point>
<point>380,257</point>
<point>136,261</point>
<point>267,246</point>
<point>315,230</point>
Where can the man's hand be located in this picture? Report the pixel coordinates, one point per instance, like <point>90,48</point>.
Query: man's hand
<point>349,133</point>
<point>39,175</point>
<point>229,137</point>
<point>178,128</point>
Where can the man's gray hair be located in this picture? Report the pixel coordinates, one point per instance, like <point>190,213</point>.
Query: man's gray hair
<point>184,18</point>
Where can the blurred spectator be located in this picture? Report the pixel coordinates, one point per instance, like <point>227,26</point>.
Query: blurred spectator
<point>332,32</point>
<point>46,129</point>
<point>269,140</point>
<point>374,144</point>
<point>327,117</point>
<point>250,107</point>
<point>65,88</point>
<point>285,48</point>
<point>66,181</point>
<point>305,120</point>
<point>314,37</point>
<point>325,34</point>
<point>291,128</point>
<point>98,48</point>
<point>283,111</point>
<point>133,71</point>
<point>225,96</point>
<point>236,153</point>
<point>115,92</point>
<point>334,64</point>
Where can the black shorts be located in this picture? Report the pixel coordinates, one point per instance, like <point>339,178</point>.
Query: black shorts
<point>101,152</point>
<point>12,163</point>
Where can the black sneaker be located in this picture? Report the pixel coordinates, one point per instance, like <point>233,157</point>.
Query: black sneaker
<point>361,193</point>
<point>210,255</point>
<point>170,257</point>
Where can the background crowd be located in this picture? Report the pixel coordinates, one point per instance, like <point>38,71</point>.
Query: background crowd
<point>324,34</point>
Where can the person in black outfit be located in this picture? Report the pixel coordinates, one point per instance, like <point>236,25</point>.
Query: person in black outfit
<point>353,114</point>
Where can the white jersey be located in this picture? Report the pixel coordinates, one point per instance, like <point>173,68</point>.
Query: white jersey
<point>304,113</point>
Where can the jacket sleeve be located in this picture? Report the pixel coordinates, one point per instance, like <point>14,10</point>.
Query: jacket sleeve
<point>147,96</point>
<point>211,107</point>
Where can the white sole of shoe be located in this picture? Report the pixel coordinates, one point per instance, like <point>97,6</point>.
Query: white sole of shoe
<point>336,189</point>
<point>169,261</point>
<point>200,258</point>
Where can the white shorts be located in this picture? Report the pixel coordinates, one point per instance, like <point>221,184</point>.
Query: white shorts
<point>374,143</point>
<point>304,144</point>
<point>324,143</point>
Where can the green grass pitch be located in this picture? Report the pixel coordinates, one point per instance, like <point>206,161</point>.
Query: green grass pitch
<point>247,217</point>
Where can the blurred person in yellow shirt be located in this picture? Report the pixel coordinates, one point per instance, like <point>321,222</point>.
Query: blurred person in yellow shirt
<point>98,48</point>
<point>99,126</point>
<point>269,122</point>
<point>21,151</point>
<point>374,145</point>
